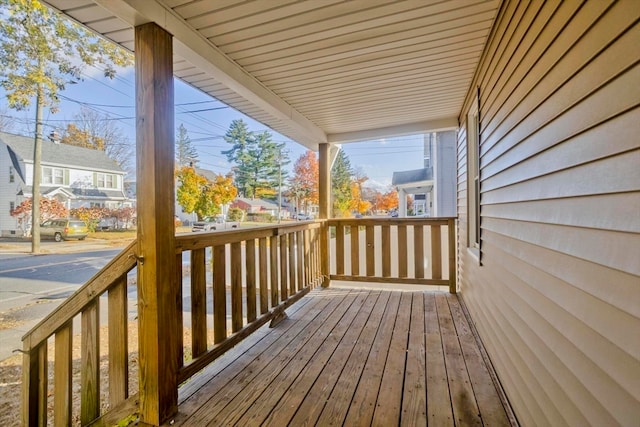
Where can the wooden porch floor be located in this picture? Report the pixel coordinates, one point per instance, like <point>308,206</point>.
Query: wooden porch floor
<point>352,357</point>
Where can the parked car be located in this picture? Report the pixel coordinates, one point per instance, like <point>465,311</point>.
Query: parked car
<point>63,229</point>
<point>304,217</point>
<point>211,223</point>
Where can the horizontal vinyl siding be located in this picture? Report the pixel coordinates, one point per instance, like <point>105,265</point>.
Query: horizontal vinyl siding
<point>557,298</point>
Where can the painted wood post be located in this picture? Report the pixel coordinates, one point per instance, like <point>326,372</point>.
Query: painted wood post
<point>158,297</point>
<point>324,192</point>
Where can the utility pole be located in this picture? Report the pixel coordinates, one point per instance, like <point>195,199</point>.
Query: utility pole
<point>37,176</point>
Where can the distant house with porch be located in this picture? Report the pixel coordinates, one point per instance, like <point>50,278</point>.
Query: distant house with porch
<point>75,176</point>
<point>434,186</point>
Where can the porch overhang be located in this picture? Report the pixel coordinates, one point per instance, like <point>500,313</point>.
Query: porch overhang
<point>317,72</point>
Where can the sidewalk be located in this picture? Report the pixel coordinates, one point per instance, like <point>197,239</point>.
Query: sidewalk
<point>17,245</point>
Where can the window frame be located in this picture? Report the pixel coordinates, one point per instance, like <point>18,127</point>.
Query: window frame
<point>473,178</point>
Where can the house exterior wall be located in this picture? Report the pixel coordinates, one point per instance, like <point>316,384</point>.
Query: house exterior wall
<point>8,197</point>
<point>444,173</point>
<point>555,294</point>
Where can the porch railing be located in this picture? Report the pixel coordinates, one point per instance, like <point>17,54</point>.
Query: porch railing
<point>237,281</point>
<point>230,283</point>
<point>394,250</point>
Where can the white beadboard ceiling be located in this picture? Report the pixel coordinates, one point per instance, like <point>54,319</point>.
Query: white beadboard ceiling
<point>316,70</point>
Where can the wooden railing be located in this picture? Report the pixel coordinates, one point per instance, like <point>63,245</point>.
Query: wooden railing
<point>394,250</point>
<point>58,327</point>
<point>238,280</point>
<point>275,266</point>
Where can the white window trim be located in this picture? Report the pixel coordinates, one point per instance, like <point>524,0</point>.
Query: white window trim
<point>474,239</point>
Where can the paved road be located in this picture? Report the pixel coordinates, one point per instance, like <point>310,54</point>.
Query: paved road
<point>32,286</point>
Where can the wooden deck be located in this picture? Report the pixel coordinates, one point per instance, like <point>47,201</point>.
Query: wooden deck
<point>352,357</point>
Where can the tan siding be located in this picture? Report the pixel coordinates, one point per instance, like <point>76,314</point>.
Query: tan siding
<point>557,298</point>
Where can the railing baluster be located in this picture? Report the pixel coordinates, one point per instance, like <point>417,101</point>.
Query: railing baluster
<point>386,251</point>
<point>402,251</point>
<point>292,263</point>
<point>273,270</point>
<point>354,230</point>
<point>371,254</point>
<point>219,294</point>
<point>250,256</point>
<point>236,287</point>
<point>118,348</point>
<point>436,252</point>
<point>34,383</point>
<point>264,290</point>
<point>300,260</point>
<point>198,302</point>
<point>307,258</point>
<point>451,224</point>
<point>418,248</point>
<point>339,249</point>
<point>284,290</point>
<point>62,376</point>
<point>90,362</point>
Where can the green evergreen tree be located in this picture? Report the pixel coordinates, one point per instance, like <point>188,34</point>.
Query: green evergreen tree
<point>341,174</point>
<point>239,136</point>
<point>259,161</point>
<point>186,154</point>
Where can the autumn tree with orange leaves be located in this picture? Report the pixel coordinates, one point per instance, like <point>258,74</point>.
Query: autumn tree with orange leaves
<point>303,186</point>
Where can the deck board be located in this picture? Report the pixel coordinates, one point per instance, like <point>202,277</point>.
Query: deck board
<point>355,357</point>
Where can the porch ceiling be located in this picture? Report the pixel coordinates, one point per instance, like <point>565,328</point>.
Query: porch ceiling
<point>316,71</point>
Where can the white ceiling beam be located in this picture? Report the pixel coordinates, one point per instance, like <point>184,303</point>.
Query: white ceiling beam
<point>200,52</point>
<point>449,123</point>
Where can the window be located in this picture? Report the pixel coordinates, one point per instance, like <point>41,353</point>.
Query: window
<point>104,180</point>
<point>11,174</point>
<point>52,176</point>
<point>12,206</point>
<point>473,178</point>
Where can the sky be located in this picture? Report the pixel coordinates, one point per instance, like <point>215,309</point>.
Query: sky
<point>206,121</point>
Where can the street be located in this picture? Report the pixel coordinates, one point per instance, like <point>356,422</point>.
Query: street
<point>33,286</point>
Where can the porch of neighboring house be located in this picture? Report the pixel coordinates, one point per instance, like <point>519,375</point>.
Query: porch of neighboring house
<point>352,356</point>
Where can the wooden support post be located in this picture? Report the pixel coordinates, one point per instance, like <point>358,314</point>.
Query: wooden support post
<point>158,296</point>
<point>324,192</point>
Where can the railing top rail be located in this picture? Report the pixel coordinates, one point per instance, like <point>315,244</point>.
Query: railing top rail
<point>191,241</point>
<point>391,221</point>
<point>124,262</point>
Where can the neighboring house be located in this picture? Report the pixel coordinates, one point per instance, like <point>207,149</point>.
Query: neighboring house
<point>434,186</point>
<point>75,176</point>
<point>256,206</point>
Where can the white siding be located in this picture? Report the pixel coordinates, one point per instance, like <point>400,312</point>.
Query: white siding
<point>557,298</point>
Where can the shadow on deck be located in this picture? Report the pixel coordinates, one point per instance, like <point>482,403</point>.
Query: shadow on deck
<point>351,357</point>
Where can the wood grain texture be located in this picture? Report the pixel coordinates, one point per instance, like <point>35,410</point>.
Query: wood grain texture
<point>198,303</point>
<point>219,294</point>
<point>236,287</point>
<point>355,249</point>
<point>250,283</point>
<point>62,380</point>
<point>342,358</point>
<point>402,251</point>
<point>263,272</point>
<point>386,251</point>
<point>118,343</point>
<point>90,359</point>
<point>339,258</point>
<point>273,270</point>
<point>370,257</point>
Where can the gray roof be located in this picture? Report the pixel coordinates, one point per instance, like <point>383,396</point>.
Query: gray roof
<point>82,193</point>
<point>408,177</point>
<point>210,175</point>
<point>61,154</point>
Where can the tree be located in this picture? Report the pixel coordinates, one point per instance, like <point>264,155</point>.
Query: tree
<point>98,131</point>
<point>39,52</point>
<point>197,194</point>
<point>258,161</point>
<point>358,203</point>
<point>303,186</point>
<point>186,154</point>
<point>90,216</point>
<point>49,209</point>
<point>341,184</point>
